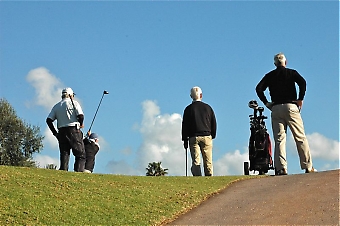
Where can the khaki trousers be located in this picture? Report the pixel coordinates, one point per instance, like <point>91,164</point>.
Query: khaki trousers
<point>284,115</point>
<point>198,145</point>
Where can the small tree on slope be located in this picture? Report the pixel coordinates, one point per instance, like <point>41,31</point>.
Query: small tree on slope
<point>155,169</point>
<point>18,139</point>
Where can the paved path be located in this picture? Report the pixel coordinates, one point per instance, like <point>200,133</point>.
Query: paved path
<point>299,199</point>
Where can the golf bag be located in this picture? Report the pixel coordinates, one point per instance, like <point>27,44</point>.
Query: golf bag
<point>260,149</point>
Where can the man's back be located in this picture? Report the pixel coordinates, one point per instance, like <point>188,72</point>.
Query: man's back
<point>65,113</point>
<point>281,83</point>
<point>199,120</point>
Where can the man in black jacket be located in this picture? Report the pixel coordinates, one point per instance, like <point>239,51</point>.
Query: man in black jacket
<point>286,106</point>
<point>91,148</point>
<point>199,128</point>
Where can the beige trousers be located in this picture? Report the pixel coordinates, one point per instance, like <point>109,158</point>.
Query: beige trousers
<point>284,115</point>
<point>198,145</point>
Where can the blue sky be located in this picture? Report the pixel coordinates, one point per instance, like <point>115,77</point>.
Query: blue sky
<point>148,54</point>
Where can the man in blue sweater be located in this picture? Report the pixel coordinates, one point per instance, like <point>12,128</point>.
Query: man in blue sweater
<point>198,129</point>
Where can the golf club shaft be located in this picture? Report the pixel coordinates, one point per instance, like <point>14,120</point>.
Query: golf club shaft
<point>96,112</point>
<point>186,162</point>
<point>74,107</point>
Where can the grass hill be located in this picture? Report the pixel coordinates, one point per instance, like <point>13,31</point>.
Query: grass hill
<point>33,196</point>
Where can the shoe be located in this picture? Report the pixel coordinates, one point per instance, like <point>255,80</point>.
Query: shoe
<point>86,171</point>
<point>312,170</point>
<point>281,172</point>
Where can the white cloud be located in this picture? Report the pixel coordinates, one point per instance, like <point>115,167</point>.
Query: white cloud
<point>43,160</point>
<point>50,140</point>
<point>47,87</point>
<point>322,147</point>
<point>230,164</point>
<point>161,140</point>
<point>161,136</point>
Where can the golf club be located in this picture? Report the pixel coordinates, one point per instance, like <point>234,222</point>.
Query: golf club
<point>186,162</point>
<point>74,107</point>
<point>105,92</point>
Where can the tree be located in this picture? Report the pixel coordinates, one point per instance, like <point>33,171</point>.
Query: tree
<point>18,139</point>
<point>155,169</point>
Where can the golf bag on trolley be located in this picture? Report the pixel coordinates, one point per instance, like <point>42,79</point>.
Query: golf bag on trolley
<point>260,151</point>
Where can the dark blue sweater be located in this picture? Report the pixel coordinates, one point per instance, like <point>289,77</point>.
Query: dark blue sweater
<point>281,83</point>
<point>198,120</point>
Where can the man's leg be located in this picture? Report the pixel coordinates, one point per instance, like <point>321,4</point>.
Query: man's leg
<point>64,155</point>
<point>90,157</point>
<point>206,147</point>
<point>64,148</point>
<point>195,157</point>
<point>78,149</point>
<point>298,131</point>
<point>279,127</point>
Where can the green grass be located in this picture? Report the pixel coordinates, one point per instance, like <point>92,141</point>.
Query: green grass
<point>32,196</point>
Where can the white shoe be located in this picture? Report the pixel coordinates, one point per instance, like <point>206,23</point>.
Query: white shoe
<point>312,170</point>
<point>86,171</point>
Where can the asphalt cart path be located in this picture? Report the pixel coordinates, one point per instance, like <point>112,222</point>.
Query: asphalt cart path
<point>299,199</point>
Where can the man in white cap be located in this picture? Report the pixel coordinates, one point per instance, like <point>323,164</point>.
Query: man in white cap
<point>286,106</point>
<point>199,129</point>
<point>70,118</point>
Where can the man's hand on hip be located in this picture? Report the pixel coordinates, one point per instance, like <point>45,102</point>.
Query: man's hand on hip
<point>269,105</point>
<point>299,104</point>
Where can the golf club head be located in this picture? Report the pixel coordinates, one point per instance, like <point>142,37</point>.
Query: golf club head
<point>253,104</point>
<point>105,92</point>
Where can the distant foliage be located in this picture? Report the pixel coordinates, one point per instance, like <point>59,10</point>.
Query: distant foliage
<point>18,139</point>
<point>155,169</point>
<point>51,166</point>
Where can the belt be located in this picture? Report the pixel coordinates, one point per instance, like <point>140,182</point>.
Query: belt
<point>67,127</point>
<point>284,102</point>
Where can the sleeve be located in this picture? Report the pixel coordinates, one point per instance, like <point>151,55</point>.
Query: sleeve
<point>260,88</point>
<point>49,122</point>
<point>79,111</point>
<point>301,83</point>
<point>78,108</point>
<point>52,114</point>
<point>213,124</point>
<point>185,134</point>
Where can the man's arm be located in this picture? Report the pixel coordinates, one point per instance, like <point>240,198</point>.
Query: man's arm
<point>79,112</point>
<point>260,88</point>
<point>185,130</point>
<point>213,125</point>
<point>80,119</point>
<point>301,82</point>
<point>51,126</point>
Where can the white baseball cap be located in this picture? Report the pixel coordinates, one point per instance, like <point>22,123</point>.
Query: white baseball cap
<point>68,91</point>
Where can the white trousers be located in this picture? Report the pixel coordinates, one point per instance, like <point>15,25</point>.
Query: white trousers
<point>201,145</point>
<point>284,115</point>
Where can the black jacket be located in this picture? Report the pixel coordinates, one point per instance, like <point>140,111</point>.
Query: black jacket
<point>91,150</point>
<point>198,120</point>
<point>281,83</point>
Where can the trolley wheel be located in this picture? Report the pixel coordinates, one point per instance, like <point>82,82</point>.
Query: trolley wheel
<point>246,168</point>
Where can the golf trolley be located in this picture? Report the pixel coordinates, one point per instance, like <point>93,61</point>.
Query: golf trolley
<point>260,151</point>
